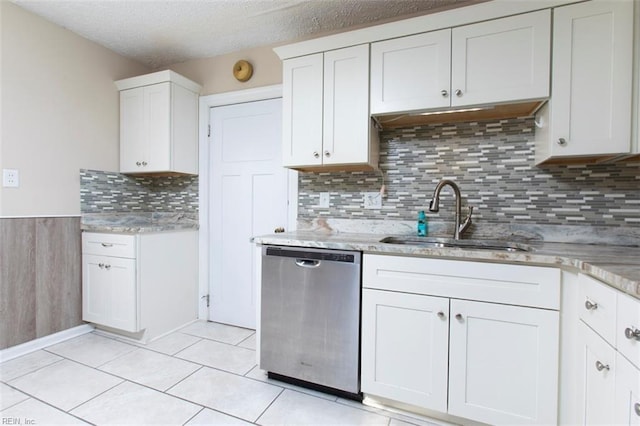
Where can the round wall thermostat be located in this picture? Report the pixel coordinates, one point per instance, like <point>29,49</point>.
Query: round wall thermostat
<point>242,70</point>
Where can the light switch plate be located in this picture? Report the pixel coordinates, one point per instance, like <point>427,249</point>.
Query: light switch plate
<point>372,200</point>
<point>10,178</point>
<point>324,200</point>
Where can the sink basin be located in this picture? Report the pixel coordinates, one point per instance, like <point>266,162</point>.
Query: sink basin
<point>429,242</point>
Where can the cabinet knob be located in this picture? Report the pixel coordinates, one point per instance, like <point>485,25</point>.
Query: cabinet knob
<point>100,265</point>
<point>600,366</point>
<point>316,154</point>
<point>327,154</point>
<point>107,267</point>
<point>562,141</point>
<point>441,315</point>
<point>144,163</point>
<point>279,230</point>
<point>458,92</point>
<point>138,163</point>
<point>632,333</point>
<point>459,317</point>
<point>590,306</point>
<point>444,93</point>
<point>636,408</point>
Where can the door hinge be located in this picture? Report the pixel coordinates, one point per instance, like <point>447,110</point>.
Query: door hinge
<point>208,130</point>
<point>207,298</point>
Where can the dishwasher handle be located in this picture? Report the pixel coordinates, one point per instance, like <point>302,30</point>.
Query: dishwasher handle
<point>307,263</point>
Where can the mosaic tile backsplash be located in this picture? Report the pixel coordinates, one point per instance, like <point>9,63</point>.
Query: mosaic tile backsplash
<point>493,163</point>
<point>112,192</point>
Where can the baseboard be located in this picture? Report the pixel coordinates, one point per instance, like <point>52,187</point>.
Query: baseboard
<point>43,342</point>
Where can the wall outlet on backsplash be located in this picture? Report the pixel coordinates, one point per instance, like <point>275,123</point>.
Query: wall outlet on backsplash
<point>323,202</point>
<point>372,200</point>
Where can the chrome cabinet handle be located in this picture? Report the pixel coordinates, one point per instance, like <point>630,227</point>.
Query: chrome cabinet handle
<point>441,315</point>
<point>636,408</point>
<point>315,154</point>
<point>590,306</point>
<point>327,154</point>
<point>306,263</point>
<point>632,333</point>
<point>106,244</point>
<point>459,317</point>
<point>458,92</point>
<point>600,366</point>
<point>562,141</point>
<point>444,93</point>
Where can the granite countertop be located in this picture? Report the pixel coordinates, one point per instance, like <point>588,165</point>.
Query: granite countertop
<point>137,223</point>
<point>617,266</point>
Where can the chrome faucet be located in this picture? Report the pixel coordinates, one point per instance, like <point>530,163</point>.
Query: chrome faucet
<point>434,206</point>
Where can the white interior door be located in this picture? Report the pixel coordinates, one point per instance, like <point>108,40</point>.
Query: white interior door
<point>248,197</point>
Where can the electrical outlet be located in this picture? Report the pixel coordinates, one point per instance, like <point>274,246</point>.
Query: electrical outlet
<point>10,178</point>
<point>372,200</point>
<point>324,200</point>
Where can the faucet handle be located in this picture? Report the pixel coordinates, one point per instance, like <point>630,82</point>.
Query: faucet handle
<point>467,222</point>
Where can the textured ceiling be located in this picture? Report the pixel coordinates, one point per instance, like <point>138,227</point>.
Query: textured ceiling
<point>163,32</point>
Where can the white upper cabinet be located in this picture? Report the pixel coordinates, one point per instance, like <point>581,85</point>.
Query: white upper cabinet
<point>302,110</point>
<point>158,124</point>
<point>497,61</point>
<point>501,60</point>
<point>411,73</point>
<point>590,109</point>
<point>326,119</point>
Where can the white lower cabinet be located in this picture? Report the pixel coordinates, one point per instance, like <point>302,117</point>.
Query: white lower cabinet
<point>110,295</point>
<point>503,363</point>
<point>627,397</point>
<point>490,362</point>
<point>142,285</point>
<point>597,371</point>
<point>405,339</point>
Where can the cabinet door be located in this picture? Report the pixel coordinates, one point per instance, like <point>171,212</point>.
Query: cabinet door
<point>302,111</point>
<point>411,73</point>
<point>628,328</point>
<point>627,397</point>
<point>133,148</point>
<point>597,375</point>
<point>157,107</point>
<point>501,60</point>
<point>346,106</point>
<point>404,347</point>
<point>503,363</point>
<point>592,78</point>
<point>109,293</point>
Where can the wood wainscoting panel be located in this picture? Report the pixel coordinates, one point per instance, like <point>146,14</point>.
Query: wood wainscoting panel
<point>17,281</point>
<point>58,275</point>
<point>40,277</point>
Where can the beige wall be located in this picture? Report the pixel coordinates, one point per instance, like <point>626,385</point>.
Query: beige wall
<point>59,112</point>
<point>216,74</point>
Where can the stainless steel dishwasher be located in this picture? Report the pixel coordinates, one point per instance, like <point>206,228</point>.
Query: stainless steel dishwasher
<point>310,318</point>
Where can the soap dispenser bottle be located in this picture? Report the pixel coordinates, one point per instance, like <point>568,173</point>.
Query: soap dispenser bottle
<point>422,224</point>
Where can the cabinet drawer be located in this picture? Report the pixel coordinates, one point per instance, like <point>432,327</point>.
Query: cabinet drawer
<point>116,245</point>
<point>511,284</point>
<point>598,307</point>
<point>628,328</point>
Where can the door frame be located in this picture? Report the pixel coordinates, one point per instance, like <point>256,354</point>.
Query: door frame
<point>206,103</point>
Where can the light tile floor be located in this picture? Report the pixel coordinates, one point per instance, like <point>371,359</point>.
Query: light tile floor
<point>203,374</point>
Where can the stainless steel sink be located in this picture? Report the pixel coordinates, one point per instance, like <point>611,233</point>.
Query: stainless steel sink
<point>430,242</point>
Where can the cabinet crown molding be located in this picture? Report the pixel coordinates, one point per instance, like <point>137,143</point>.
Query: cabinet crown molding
<point>158,77</point>
<point>435,21</point>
